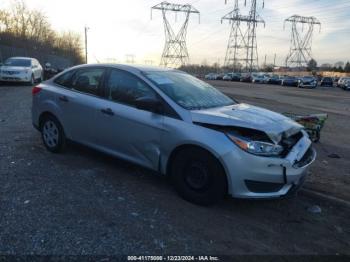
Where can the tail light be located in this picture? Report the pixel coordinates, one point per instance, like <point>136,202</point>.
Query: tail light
<point>36,90</point>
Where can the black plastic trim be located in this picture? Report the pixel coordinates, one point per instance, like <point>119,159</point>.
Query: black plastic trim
<point>263,187</point>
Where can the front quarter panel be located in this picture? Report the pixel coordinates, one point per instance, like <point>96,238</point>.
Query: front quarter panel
<point>179,133</point>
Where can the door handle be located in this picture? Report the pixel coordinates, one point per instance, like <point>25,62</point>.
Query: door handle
<point>63,99</point>
<point>107,111</point>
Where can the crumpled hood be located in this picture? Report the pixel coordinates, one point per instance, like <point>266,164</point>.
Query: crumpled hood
<point>243,115</point>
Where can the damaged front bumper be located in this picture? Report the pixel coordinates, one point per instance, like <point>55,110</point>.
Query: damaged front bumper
<point>252,176</point>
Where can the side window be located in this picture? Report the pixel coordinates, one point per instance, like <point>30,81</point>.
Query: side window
<point>125,88</point>
<point>64,79</point>
<point>87,80</point>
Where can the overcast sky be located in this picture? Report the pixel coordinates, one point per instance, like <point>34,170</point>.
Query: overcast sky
<point>120,27</point>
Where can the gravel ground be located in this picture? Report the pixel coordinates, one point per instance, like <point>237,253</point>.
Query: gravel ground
<point>84,202</point>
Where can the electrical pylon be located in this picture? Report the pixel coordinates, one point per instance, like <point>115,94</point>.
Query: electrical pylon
<point>300,51</point>
<point>130,58</point>
<point>175,52</point>
<point>235,53</point>
<point>242,51</point>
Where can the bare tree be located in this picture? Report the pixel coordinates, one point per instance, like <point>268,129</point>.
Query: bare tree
<point>22,27</point>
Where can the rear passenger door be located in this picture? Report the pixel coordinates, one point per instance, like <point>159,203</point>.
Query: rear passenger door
<point>79,102</point>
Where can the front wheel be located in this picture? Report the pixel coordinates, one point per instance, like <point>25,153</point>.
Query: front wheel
<point>32,81</point>
<point>52,134</point>
<point>198,177</point>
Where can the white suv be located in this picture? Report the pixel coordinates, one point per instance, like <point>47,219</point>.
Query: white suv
<point>21,69</point>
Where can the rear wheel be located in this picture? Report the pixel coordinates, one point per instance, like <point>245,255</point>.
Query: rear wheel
<point>52,134</point>
<point>198,176</point>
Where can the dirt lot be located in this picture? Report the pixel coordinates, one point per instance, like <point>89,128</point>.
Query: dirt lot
<point>84,202</point>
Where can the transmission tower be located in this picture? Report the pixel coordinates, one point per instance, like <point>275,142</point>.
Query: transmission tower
<point>175,51</point>
<point>130,58</point>
<point>301,43</point>
<point>242,51</point>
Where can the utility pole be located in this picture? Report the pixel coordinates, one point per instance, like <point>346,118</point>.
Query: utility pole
<point>301,43</point>
<point>274,60</point>
<point>86,45</point>
<point>175,52</point>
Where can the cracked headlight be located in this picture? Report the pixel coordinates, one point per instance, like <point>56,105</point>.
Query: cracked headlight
<point>256,147</point>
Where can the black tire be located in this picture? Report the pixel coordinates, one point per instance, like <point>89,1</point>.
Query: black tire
<point>198,177</point>
<point>41,78</point>
<point>32,81</point>
<point>57,144</point>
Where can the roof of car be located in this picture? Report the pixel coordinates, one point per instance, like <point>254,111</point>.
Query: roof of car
<point>142,68</point>
<point>20,57</point>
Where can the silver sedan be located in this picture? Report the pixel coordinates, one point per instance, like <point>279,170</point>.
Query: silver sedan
<point>169,121</point>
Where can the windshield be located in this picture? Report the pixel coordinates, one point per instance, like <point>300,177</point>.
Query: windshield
<point>188,91</point>
<point>308,78</point>
<point>18,62</point>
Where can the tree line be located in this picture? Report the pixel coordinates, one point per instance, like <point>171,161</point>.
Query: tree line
<point>339,67</point>
<point>31,29</point>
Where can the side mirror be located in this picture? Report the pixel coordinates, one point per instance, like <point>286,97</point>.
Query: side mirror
<point>148,103</point>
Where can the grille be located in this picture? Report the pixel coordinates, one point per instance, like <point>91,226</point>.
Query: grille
<point>11,72</point>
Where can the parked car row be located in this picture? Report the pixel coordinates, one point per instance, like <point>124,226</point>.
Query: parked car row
<point>273,79</point>
<point>344,83</point>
